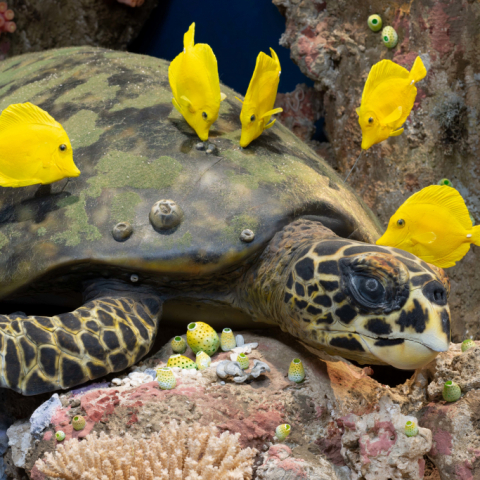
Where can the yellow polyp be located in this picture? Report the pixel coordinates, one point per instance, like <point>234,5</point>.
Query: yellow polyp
<point>201,336</point>
<point>243,360</point>
<point>203,360</point>
<point>181,361</point>
<point>283,431</point>
<point>165,378</point>
<point>296,372</point>
<point>227,340</point>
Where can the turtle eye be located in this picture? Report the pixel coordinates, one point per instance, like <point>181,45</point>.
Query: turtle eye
<point>401,222</point>
<point>369,290</point>
<point>370,120</point>
<point>252,118</point>
<point>204,115</point>
<point>62,147</point>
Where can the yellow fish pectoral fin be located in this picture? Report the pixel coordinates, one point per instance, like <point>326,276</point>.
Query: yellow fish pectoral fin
<point>187,103</point>
<point>222,96</point>
<point>239,99</point>
<point>396,133</point>
<point>272,112</point>
<point>393,117</point>
<point>177,105</point>
<point>270,124</point>
<point>424,238</point>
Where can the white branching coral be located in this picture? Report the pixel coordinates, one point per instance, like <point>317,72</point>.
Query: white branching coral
<point>178,452</point>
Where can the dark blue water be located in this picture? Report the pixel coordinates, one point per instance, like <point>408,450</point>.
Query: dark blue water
<point>236,30</point>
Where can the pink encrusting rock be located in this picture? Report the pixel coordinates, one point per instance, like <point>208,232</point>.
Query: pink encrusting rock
<point>6,19</point>
<point>375,446</point>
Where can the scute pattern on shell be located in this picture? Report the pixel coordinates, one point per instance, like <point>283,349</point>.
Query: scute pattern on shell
<point>133,149</point>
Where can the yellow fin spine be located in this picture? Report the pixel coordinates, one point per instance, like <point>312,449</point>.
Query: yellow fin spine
<point>272,112</point>
<point>189,37</point>
<point>418,70</point>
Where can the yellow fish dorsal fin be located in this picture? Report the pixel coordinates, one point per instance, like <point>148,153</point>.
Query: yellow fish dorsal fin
<point>24,114</point>
<point>418,70</point>
<point>445,197</point>
<point>393,117</point>
<point>380,72</point>
<point>189,37</point>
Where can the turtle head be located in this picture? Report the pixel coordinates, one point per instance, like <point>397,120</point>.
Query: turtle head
<point>372,304</point>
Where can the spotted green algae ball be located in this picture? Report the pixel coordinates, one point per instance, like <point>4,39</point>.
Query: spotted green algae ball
<point>375,22</point>
<point>389,37</point>
<point>243,360</point>
<point>179,345</point>
<point>203,360</point>
<point>283,431</point>
<point>296,372</point>
<point>78,423</point>
<point>201,336</point>
<point>166,379</point>
<point>227,340</point>
<point>60,436</point>
<point>445,181</point>
<point>451,392</point>
<point>467,344</point>
<point>411,429</point>
<point>181,361</point>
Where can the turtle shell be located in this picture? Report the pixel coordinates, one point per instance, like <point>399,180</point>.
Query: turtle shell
<point>134,149</point>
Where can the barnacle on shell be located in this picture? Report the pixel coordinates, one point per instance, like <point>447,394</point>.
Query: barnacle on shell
<point>389,37</point>
<point>203,360</point>
<point>179,345</point>
<point>227,340</point>
<point>165,378</point>
<point>60,436</point>
<point>296,372</point>
<point>201,336</point>
<point>283,431</point>
<point>375,22</point>
<point>78,422</point>
<point>467,344</point>
<point>243,360</point>
<point>451,391</point>
<point>411,429</point>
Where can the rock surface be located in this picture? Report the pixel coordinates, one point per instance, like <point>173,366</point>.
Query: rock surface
<point>332,44</point>
<point>45,24</point>
<point>20,439</point>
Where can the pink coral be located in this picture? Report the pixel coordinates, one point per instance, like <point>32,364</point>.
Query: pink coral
<point>132,3</point>
<point>6,17</point>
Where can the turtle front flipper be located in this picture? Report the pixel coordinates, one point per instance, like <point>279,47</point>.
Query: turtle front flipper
<point>107,334</point>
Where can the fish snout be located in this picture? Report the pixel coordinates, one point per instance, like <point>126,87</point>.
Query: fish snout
<point>435,292</point>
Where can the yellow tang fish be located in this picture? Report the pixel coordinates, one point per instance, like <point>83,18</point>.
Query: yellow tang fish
<point>35,148</point>
<point>193,77</point>
<point>433,224</point>
<point>387,99</point>
<point>260,97</point>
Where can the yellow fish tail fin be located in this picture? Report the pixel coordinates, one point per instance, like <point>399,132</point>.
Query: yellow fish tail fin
<point>380,72</point>
<point>272,112</point>
<point>418,70</point>
<point>393,117</point>
<point>476,235</point>
<point>222,96</point>
<point>270,124</point>
<point>189,37</point>
<point>396,133</point>
<point>26,113</point>
<point>442,196</point>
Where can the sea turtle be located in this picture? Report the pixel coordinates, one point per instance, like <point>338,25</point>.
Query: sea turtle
<point>157,217</point>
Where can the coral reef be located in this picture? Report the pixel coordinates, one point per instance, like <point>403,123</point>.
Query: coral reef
<point>333,45</point>
<point>6,19</point>
<point>178,453</point>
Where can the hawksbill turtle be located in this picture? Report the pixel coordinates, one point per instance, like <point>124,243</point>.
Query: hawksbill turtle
<point>156,222</point>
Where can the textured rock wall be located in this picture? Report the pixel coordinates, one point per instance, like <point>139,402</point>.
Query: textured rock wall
<point>45,24</point>
<point>332,44</point>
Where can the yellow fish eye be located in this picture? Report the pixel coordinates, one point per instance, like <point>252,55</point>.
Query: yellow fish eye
<point>370,120</point>
<point>204,115</point>
<point>401,222</point>
<point>63,147</point>
<point>252,118</point>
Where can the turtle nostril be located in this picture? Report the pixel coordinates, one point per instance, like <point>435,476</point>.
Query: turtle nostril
<point>435,292</point>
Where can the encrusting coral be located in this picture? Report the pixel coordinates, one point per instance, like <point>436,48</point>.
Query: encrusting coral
<point>178,453</point>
